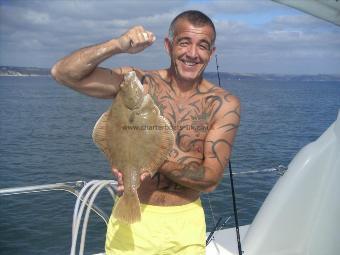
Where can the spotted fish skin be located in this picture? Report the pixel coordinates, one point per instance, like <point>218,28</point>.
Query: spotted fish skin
<point>135,138</point>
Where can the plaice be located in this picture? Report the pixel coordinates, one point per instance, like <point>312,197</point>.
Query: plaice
<point>135,138</point>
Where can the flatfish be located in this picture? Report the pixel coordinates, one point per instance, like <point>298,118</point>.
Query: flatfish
<point>135,138</point>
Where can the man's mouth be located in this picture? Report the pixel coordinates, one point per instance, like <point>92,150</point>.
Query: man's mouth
<point>189,63</point>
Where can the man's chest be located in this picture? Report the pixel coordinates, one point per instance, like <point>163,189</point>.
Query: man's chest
<point>191,117</point>
<point>190,121</point>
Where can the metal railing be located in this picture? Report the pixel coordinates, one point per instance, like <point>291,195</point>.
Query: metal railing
<point>70,187</point>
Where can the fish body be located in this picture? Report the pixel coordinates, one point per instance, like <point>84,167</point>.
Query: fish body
<point>135,138</point>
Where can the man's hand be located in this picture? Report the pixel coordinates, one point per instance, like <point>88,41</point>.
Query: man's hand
<point>136,40</point>
<point>119,177</point>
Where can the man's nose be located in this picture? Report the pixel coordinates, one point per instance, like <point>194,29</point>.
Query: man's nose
<point>192,51</point>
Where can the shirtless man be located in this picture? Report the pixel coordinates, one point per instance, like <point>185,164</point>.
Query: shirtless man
<point>204,119</point>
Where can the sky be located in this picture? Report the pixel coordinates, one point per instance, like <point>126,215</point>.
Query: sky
<point>253,36</point>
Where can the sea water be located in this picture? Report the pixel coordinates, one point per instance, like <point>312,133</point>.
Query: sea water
<point>45,138</point>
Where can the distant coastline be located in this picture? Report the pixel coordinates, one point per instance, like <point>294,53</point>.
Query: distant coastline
<point>36,71</point>
<point>274,77</point>
<point>23,71</point>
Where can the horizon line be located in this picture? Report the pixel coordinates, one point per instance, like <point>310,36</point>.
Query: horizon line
<point>228,72</point>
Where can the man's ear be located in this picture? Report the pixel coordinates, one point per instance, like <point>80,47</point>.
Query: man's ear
<point>167,45</point>
<point>213,50</point>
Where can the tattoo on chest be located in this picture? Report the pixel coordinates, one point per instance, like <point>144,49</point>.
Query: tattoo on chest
<point>188,117</point>
<point>191,119</point>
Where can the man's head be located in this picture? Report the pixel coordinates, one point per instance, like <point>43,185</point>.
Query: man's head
<point>190,45</point>
<point>196,18</point>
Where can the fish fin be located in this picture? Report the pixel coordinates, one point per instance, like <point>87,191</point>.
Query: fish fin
<point>127,208</point>
<point>167,140</point>
<point>99,134</point>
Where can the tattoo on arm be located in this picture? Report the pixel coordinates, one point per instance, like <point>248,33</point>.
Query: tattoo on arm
<point>236,112</point>
<point>220,160</point>
<point>214,104</point>
<point>229,127</point>
<point>190,172</point>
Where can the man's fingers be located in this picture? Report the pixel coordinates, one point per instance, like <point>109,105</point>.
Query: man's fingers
<point>115,172</point>
<point>142,38</point>
<point>118,175</point>
<point>151,36</point>
<point>144,175</point>
<point>120,190</point>
<point>137,39</point>
<point>119,178</point>
<point>148,37</point>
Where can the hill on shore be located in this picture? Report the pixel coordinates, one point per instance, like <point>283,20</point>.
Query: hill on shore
<point>36,71</point>
<point>23,71</point>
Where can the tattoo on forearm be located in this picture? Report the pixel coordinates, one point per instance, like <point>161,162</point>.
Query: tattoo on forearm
<point>189,172</point>
<point>190,159</point>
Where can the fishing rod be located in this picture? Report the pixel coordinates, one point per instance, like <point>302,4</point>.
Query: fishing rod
<point>235,210</point>
<point>218,73</point>
<point>232,183</point>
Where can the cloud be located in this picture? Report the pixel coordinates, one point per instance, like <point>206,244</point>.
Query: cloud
<point>252,36</point>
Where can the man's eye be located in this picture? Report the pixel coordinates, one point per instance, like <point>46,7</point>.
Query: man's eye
<point>183,44</point>
<point>204,47</point>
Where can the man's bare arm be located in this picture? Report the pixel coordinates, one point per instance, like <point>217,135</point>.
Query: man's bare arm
<point>80,70</point>
<point>217,151</point>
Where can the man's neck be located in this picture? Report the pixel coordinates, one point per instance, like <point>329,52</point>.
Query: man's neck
<point>183,88</point>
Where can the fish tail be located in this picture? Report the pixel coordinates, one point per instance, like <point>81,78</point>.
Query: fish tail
<point>127,208</point>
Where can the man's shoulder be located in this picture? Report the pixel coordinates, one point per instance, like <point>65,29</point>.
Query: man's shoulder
<point>223,101</point>
<point>162,72</point>
<point>144,75</point>
<point>226,97</point>
<point>126,69</point>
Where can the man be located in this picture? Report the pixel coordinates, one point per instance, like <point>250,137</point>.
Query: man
<point>204,119</point>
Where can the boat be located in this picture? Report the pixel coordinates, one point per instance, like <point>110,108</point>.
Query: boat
<point>328,10</point>
<point>301,213</point>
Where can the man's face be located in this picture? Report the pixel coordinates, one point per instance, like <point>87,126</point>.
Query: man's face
<point>191,50</point>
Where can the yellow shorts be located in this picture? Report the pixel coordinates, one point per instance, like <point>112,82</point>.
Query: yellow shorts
<point>163,230</point>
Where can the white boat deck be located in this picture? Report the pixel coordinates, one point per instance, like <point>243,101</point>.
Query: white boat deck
<point>225,241</point>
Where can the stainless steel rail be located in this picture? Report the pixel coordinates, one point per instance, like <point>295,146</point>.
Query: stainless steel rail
<point>71,187</point>
<point>66,186</point>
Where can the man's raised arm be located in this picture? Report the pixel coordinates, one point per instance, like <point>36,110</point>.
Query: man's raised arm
<point>80,70</point>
